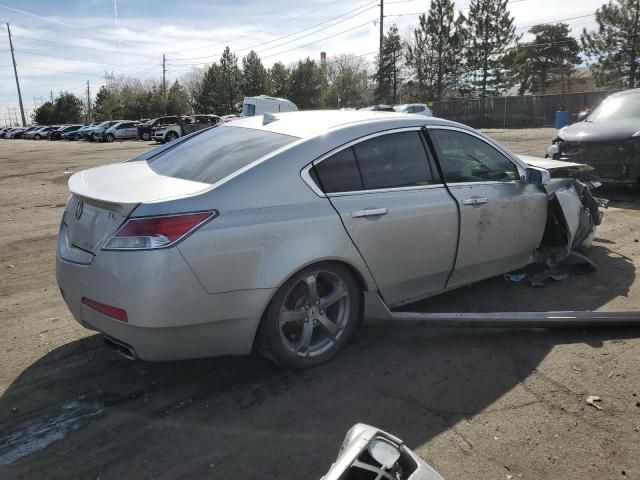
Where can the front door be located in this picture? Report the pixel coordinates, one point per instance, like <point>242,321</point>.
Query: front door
<point>502,219</point>
<point>396,211</point>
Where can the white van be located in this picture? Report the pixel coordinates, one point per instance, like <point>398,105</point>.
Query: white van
<point>264,104</point>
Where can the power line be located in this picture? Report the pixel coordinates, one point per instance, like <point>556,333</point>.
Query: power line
<point>264,29</point>
<point>320,40</point>
<point>295,33</point>
<point>316,31</point>
<point>556,21</point>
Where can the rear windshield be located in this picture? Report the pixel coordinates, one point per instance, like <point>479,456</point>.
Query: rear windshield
<point>217,153</point>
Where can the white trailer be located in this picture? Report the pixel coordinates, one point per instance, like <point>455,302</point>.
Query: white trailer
<point>264,104</point>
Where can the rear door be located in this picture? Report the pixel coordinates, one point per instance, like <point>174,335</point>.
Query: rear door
<point>396,210</point>
<point>502,219</point>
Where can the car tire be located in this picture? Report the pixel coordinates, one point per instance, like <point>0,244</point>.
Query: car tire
<point>311,316</point>
<point>170,136</point>
<point>36,137</point>
<point>109,138</point>
<point>146,136</point>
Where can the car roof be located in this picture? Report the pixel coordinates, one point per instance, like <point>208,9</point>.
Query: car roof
<point>310,123</point>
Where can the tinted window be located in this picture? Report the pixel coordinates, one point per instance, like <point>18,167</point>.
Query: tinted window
<point>249,110</point>
<point>394,160</point>
<point>217,153</point>
<point>339,173</point>
<point>465,158</point>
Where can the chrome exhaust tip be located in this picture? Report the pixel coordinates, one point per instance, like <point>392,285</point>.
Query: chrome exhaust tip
<point>121,348</point>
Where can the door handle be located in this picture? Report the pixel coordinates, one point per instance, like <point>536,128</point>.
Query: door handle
<point>369,212</point>
<point>475,201</point>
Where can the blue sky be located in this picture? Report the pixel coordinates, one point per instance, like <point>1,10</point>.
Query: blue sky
<point>61,44</point>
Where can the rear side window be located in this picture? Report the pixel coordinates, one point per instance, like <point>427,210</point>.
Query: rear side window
<point>394,160</point>
<point>339,173</point>
<point>217,153</point>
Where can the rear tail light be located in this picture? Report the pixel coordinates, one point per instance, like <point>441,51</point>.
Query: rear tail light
<point>108,310</point>
<point>156,232</point>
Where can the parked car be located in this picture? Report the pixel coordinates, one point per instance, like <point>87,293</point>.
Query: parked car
<point>421,108</point>
<point>280,232</point>
<point>121,131</point>
<point>8,131</point>
<point>230,118</point>
<point>60,132</point>
<point>22,132</point>
<point>261,104</point>
<point>185,126</point>
<point>608,139</point>
<point>145,130</point>
<point>98,133</point>
<point>379,108</point>
<point>84,132</point>
<point>3,131</point>
<point>16,132</point>
<point>39,133</point>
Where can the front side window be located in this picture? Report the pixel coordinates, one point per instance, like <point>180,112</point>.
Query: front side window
<point>466,158</point>
<point>389,161</point>
<point>217,153</point>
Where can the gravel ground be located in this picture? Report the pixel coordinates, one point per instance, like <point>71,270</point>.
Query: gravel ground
<point>475,403</point>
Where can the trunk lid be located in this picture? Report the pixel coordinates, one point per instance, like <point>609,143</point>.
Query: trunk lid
<point>103,198</point>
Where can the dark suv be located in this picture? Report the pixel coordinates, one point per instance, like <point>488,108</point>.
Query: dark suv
<point>608,140</point>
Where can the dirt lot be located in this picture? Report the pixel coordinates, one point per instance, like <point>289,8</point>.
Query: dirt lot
<point>475,403</point>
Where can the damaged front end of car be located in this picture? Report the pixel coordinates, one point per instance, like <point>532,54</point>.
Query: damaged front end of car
<point>572,216</point>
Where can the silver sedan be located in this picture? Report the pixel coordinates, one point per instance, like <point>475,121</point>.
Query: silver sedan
<point>281,232</point>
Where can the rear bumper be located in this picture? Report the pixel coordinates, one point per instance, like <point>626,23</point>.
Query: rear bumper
<point>170,315</point>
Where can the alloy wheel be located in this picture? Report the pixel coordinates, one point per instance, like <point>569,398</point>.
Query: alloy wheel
<point>314,314</point>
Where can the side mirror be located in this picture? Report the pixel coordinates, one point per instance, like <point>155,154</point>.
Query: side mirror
<point>536,176</point>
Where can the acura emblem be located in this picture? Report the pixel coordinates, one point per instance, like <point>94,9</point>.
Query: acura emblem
<point>79,208</point>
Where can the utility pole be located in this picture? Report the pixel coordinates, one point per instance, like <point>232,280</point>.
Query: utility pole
<point>381,27</point>
<point>51,94</point>
<point>164,77</point>
<point>88,103</point>
<point>15,71</point>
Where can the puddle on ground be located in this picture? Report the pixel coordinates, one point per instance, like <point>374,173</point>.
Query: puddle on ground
<point>34,435</point>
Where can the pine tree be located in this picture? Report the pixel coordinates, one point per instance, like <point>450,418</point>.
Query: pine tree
<point>254,76</point>
<point>553,54</point>
<point>490,33</point>
<point>615,45</point>
<point>231,79</point>
<point>434,54</point>
<point>220,90</point>
<point>279,80</point>
<point>177,100</point>
<point>389,73</point>
<point>306,85</point>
